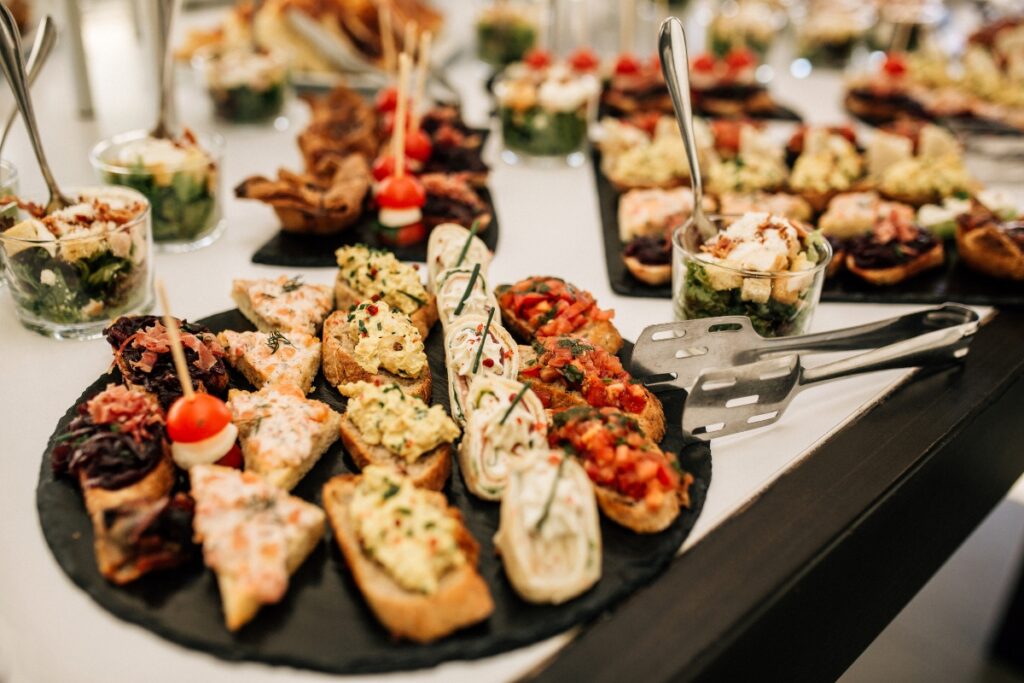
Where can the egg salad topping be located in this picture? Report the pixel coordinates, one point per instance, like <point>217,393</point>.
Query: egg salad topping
<point>407,530</point>
<point>385,338</point>
<point>829,162</point>
<point>929,178</point>
<point>374,272</point>
<point>403,424</point>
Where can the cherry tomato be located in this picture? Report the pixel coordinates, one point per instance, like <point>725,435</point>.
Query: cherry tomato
<point>404,236</point>
<point>584,59</point>
<point>198,418</point>
<point>387,99</point>
<point>627,65</point>
<point>740,58</point>
<point>401,192</point>
<point>704,62</point>
<point>895,65</point>
<point>232,458</point>
<point>537,59</point>
<point>384,166</point>
<point>418,146</point>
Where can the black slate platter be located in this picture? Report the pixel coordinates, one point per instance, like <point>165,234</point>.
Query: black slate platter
<point>301,251</point>
<point>322,623</point>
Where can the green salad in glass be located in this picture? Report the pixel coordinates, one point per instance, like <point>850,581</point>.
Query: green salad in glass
<point>766,267</point>
<point>180,177</point>
<point>504,33</point>
<point>246,85</point>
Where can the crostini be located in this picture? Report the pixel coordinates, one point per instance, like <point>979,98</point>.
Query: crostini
<point>254,537</point>
<point>262,358</point>
<point>540,307</point>
<point>896,249</point>
<point>142,352</point>
<point>283,304</point>
<point>648,258</point>
<point>453,246</point>
<point>549,536</point>
<point>409,552</point>
<point>372,275</point>
<point>476,345</point>
<point>637,484</point>
<point>373,343</point>
<point>503,420</point>
<point>463,291</point>
<point>990,245</point>
<point>384,426</point>
<point>567,371</point>
<point>116,449</point>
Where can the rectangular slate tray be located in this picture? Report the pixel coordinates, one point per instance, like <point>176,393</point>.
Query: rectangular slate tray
<point>953,282</point>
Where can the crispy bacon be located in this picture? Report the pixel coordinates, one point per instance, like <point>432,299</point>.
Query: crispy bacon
<point>134,412</point>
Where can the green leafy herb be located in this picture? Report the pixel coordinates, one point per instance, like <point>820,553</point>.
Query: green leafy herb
<point>275,340</point>
<point>577,347</point>
<point>515,401</point>
<point>469,289</point>
<point>292,284</point>
<point>392,489</point>
<point>573,374</point>
<point>483,340</point>
<point>465,247</point>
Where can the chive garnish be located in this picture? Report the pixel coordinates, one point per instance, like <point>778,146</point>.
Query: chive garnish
<point>465,247</point>
<point>469,289</point>
<point>515,401</point>
<point>551,497</point>
<point>483,340</point>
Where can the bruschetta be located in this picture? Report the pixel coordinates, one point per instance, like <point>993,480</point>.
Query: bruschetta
<point>368,275</point>
<point>637,484</point>
<point>503,420</point>
<point>282,433</point>
<point>648,258</point>
<point>116,449</point>
<point>372,343</point>
<point>896,249</point>
<point>990,245</point>
<point>275,357</point>
<point>283,304</point>
<point>476,345</point>
<point>463,291</point>
<point>539,307</point>
<point>568,371</point>
<point>409,552</point>
<point>453,246</point>
<point>549,535</point>
<point>254,537</point>
<point>383,426</point>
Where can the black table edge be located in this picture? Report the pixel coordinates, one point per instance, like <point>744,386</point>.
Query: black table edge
<point>801,580</point>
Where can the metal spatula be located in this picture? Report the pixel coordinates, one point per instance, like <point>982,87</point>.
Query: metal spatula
<point>731,400</point>
<point>672,355</point>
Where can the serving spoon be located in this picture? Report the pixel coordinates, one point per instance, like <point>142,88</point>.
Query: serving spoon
<point>13,65</point>
<point>165,12</point>
<point>42,46</point>
<point>675,66</point>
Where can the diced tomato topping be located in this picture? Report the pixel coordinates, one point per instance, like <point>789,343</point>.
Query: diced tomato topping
<point>727,134</point>
<point>627,65</point>
<point>895,65</point>
<point>537,59</point>
<point>551,306</point>
<point>584,60</point>
<point>401,192</point>
<point>704,62</point>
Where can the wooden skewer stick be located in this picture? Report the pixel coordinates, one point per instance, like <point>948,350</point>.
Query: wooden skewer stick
<point>409,41</point>
<point>177,350</point>
<point>401,115</point>
<point>387,36</point>
<point>422,69</point>
<point>627,30</point>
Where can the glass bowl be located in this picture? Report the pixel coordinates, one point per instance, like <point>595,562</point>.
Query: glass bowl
<point>72,287</point>
<point>779,304</point>
<point>505,31</point>
<point>182,182</point>
<point>246,85</point>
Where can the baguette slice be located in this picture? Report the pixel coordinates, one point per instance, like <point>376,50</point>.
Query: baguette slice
<point>423,317</point>
<point>291,358</point>
<point>283,304</point>
<point>462,598</point>
<point>634,514</point>
<point>933,258</point>
<point>429,471</point>
<point>650,274</point>
<point>989,249</point>
<point>283,433</point>
<point>340,365</point>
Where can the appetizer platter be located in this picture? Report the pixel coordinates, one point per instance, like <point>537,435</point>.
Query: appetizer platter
<point>403,491</point>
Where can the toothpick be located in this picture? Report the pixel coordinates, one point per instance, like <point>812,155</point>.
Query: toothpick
<point>177,351</point>
<point>422,69</point>
<point>401,114</point>
<point>627,31</point>
<point>387,35</point>
<point>409,41</point>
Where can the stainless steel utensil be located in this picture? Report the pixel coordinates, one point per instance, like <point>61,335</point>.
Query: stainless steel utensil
<point>13,65</point>
<point>672,355</point>
<point>165,13</point>
<point>675,65</point>
<point>733,400</point>
<point>42,46</point>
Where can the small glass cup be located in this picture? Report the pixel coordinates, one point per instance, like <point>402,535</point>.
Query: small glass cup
<point>778,304</point>
<point>72,288</point>
<point>247,85</point>
<point>186,199</point>
<point>506,31</point>
<point>828,33</point>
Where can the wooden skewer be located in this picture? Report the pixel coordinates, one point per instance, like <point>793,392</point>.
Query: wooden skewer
<point>409,40</point>
<point>422,69</point>
<point>387,36</point>
<point>401,114</point>
<point>627,16</point>
<point>177,350</point>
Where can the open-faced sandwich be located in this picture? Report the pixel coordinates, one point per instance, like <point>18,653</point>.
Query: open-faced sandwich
<point>504,419</point>
<point>637,484</point>
<point>142,352</point>
<point>254,537</point>
<point>539,307</point>
<point>476,345</point>
<point>568,371</point>
<point>549,536</point>
<point>272,358</point>
<point>455,147</point>
<point>453,246</point>
<point>463,291</point>
<point>451,199</point>
<point>991,245</point>
<point>366,274</point>
<point>373,343</point>
<point>776,203</point>
<point>648,258</point>
<point>283,304</point>
<point>894,250</point>
<point>655,212</point>
<point>283,433</point>
<point>409,552</point>
<point>384,426</point>
<point>828,165</point>
<point>116,449</point>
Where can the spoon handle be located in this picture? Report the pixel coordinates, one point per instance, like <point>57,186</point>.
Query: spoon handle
<point>165,13</point>
<point>13,66</point>
<point>675,68</point>
<point>46,37</point>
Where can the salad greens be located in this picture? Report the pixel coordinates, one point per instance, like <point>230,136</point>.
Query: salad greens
<point>184,205</point>
<point>244,104</point>
<point>503,42</point>
<point>539,132</point>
